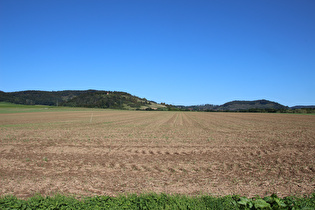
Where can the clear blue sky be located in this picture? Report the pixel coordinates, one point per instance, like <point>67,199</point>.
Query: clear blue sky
<point>175,51</point>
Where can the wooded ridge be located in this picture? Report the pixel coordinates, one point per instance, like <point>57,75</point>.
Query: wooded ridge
<point>123,100</point>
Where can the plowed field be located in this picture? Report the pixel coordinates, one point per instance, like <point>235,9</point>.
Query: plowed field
<point>113,152</point>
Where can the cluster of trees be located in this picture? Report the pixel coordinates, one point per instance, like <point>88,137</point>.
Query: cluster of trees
<point>302,111</point>
<point>33,97</point>
<point>268,110</point>
<point>106,99</point>
<point>257,110</point>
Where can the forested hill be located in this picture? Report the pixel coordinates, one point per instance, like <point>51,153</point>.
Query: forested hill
<point>80,98</point>
<point>258,105</point>
<point>123,100</point>
<point>250,105</point>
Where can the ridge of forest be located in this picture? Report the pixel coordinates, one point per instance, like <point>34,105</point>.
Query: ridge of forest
<point>256,105</point>
<point>81,98</point>
<point>124,100</point>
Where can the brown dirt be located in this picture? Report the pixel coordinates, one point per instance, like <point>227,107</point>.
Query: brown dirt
<point>172,152</point>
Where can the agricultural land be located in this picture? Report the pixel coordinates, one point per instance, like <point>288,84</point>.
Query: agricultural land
<point>88,152</point>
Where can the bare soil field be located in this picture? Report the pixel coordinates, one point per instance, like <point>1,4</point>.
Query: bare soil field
<point>113,152</point>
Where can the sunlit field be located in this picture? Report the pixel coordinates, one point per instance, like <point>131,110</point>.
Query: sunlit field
<point>107,152</point>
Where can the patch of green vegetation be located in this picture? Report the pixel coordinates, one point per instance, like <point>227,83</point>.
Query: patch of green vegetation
<point>158,201</point>
<point>274,202</point>
<point>6,108</point>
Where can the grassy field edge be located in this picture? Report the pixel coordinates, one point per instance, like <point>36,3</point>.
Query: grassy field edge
<point>10,108</point>
<point>158,201</point>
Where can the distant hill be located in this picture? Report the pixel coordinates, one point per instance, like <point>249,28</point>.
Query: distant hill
<point>250,105</point>
<point>254,106</point>
<point>81,98</point>
<point>123,100</point>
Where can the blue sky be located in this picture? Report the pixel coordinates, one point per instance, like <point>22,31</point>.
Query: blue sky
<point>174,51</point>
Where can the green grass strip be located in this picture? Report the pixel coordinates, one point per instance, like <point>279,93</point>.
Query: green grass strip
<point>9,108</point>
<point>158,201</point>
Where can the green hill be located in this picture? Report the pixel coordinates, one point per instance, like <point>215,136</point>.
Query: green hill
<point>251,106</point>
<point>248,106</point>
<point>80,98</point>
<point>123,100</point>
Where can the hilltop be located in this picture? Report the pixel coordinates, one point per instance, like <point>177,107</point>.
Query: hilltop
<point>81,98</point>
<point>249,105</point>
<point>252,106</point>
